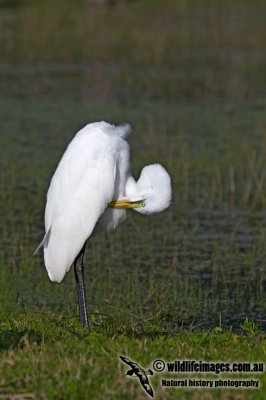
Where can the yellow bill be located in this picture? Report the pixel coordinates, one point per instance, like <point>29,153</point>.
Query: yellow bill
<point>124,203</point>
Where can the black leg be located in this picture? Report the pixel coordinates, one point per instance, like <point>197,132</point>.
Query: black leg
<point>79,273</point>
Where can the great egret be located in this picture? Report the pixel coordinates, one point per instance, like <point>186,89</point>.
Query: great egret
<point>91,188</point>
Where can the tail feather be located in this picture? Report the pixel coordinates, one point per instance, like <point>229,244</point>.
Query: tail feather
<point>61,250</point>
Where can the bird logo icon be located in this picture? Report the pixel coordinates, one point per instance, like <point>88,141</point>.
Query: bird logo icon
<point>138,372</point>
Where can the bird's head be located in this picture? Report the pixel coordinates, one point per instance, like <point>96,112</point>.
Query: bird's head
<point>154,188</point>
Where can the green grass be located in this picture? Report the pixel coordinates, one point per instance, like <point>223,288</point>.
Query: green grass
<point>188,283</point>
<point>50,358</point>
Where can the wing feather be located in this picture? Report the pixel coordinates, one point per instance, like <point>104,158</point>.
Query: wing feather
<point>80,190</point>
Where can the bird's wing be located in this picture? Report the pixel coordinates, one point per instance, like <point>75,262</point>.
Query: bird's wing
<point>80,190</point>
<point>145,382</point>
<point>132,364</point>
<point>43,242</point>
<point>148,388</point>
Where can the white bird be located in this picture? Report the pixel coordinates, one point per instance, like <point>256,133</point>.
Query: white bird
<point>90,189</point>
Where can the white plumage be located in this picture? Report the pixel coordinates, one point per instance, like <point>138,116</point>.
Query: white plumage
<point>94,171</point>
